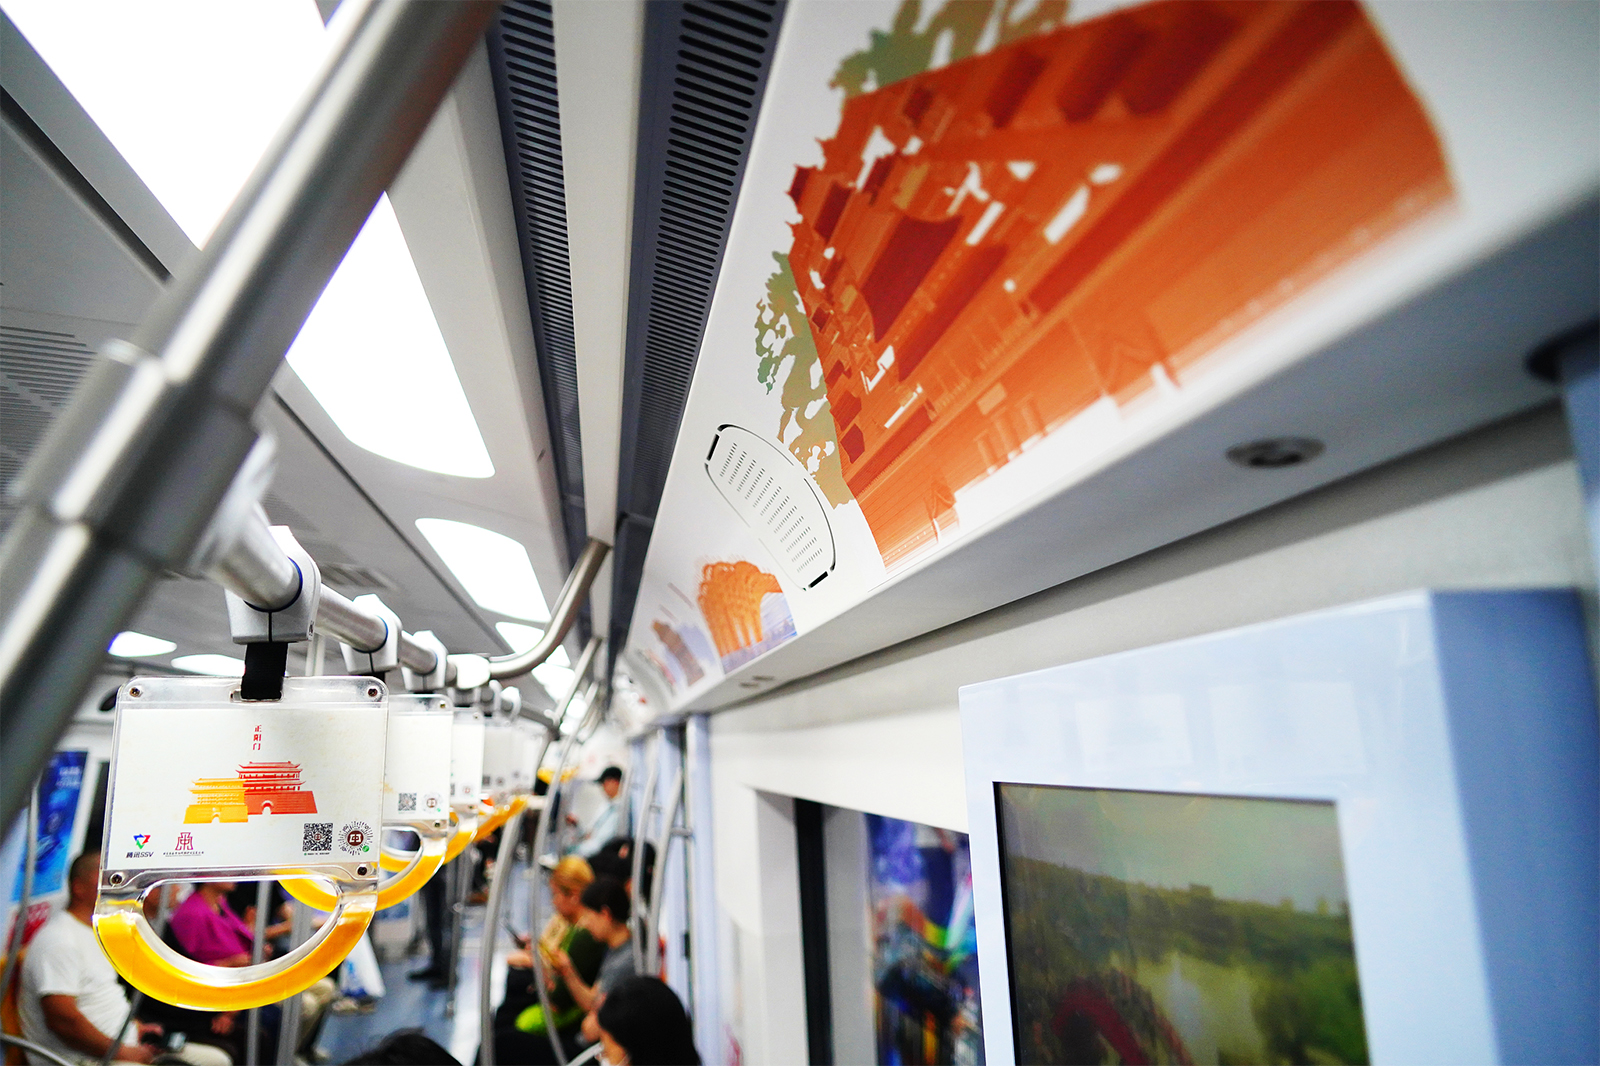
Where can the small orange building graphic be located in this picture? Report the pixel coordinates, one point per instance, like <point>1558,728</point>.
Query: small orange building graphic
<point>743,623</point>
<point>992,247</point>
<point>260,788</point>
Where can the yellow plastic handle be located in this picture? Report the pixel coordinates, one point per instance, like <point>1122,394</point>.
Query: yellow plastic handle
<point>161,973</point>
<point>490,819</point>
<point>466,833</point>
<point>312,891</point>
<point>398,860</point>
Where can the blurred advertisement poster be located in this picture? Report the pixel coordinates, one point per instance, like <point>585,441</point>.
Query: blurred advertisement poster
<point>924,954</point>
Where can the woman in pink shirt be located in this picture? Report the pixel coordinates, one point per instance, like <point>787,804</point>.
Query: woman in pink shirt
<point>207,931</point>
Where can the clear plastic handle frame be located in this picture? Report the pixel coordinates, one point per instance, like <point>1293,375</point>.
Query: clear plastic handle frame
<point>416,794</point>
<point>206,787</point>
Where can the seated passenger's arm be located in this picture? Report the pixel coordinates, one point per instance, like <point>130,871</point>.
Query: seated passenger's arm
<point>66,1021</point>
<point>582,994</point>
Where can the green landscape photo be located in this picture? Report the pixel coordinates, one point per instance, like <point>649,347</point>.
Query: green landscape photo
<point>1150,927</point>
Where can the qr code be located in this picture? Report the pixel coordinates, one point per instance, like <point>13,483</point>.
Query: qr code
<point>318,836</point>
<point>408,801</point>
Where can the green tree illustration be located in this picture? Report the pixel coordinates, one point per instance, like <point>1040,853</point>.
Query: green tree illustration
<point>905,51</point>
<point>784,334</point>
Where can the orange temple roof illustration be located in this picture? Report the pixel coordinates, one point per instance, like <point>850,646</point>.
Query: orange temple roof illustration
<point>992,247</point>
<point>744,622</point>
<point>260,788</point>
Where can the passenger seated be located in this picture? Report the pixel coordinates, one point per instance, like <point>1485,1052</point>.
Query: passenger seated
<point>206,930</point>
<point>605,915</point>
<point>521,1031</point>
<point>643,1023</point>
<point>70,1002</point>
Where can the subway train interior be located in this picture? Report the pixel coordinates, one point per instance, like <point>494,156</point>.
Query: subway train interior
<point>799,531</point>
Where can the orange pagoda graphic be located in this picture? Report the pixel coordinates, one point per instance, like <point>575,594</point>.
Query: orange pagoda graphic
<point>745,608</point>
<point>260,788</point>
<point>992,247</point>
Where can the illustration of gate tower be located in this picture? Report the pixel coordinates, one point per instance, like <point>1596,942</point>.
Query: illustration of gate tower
<point>990,248</point>
<point>260,788</point>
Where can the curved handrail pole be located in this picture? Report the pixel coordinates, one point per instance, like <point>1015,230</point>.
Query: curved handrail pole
<point>541,837</point>
<point>34,1050</point>
<point>562,615</point>
<point>668,819</point>
<point>491,921</point>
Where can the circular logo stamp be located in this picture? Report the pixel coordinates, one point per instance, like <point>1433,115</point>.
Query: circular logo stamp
<point>355,838</point>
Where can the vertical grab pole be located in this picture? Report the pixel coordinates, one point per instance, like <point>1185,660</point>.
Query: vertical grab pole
<point>637,918</point>
<point>580,672</point>
<point>258,952</point>
<point>509,832</point>
<point>668,834</point>
<point>706,1003</point>
<point>300,915</point>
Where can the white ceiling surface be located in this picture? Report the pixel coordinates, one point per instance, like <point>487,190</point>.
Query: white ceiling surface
<point>599,98</point>
<point>453,203</point>
<point>63,269</point>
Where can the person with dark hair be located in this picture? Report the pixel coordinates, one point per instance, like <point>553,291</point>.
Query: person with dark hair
<point>605,915</point>
<point>70,1003</point>
<point>607,821</point>
<point>408,1047</point>
<point>642,1023</point>
<point>521,1030</point>
<point>615,859</point>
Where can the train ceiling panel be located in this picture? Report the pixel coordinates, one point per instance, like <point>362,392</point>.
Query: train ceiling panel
<point>1007,289</point>
<point>86,248</point>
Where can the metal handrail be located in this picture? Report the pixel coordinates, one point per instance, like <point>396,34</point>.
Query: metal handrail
<point>34,1049</point>
<point>129,476</point>
<point>562,615</point>
<point>580,671</point>
<point>669,818</point>
<point>540,838</point>
<point>637,918</point>
<point>509,832</point>
<point>255,568</point>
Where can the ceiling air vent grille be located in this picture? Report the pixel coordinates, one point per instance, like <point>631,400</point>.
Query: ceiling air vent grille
<point>39,369</point>
<point>705,70</point>
<point>522,57</point>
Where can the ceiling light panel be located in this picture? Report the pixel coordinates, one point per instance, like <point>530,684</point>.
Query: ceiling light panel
<point>215,665</point>
<point>131,645</point>
<point>192,112</point>
<point>493,568</point>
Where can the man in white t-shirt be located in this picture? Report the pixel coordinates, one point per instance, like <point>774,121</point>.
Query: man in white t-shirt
<point>70,1001</point>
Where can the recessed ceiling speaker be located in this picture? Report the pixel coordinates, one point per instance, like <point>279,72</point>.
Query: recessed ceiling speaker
<point>1274,452</point>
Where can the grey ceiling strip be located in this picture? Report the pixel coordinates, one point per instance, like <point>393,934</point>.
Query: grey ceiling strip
<point>705,71</point>
<point>28,130</point>
<point>522,58</point>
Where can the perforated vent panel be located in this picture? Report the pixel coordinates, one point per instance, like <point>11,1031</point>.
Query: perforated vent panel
<point>522,57</point>
<point>705,70</point>
<point>39,369</point>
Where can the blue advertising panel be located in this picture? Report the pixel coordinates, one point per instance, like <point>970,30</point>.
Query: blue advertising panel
<point>59,789</point>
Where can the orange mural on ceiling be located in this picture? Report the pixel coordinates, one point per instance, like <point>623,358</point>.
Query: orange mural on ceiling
<point>992,247</point>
